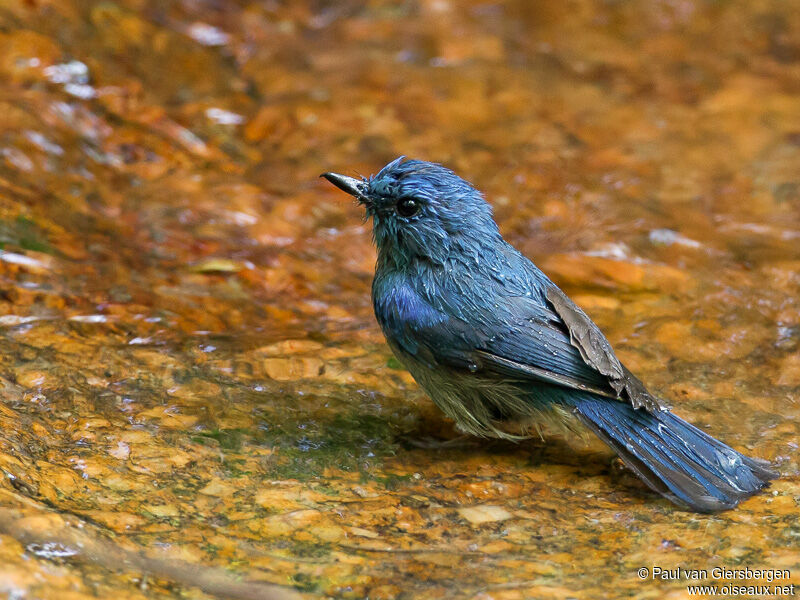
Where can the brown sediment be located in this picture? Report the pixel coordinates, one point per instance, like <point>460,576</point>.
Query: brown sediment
<point>189,364</point>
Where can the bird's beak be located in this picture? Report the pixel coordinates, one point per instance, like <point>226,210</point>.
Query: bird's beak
<point>351,185</point>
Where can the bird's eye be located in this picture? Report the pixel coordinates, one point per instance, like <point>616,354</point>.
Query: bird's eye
<point>407,207</point>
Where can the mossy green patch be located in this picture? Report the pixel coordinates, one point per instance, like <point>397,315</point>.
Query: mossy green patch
<point>393,363</point>
<point>227,439</point>
<point>390,481</point>
<point>304,582</point>
<point>350,442</point>
<point>314,549</point>
<point>24,234</point>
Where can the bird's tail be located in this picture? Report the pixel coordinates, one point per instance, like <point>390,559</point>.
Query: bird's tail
<point>673,457</point>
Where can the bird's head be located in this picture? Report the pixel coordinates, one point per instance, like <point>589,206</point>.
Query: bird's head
<point>421,211</point>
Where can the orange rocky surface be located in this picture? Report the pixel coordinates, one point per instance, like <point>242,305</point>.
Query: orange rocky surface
<point>196,401</point>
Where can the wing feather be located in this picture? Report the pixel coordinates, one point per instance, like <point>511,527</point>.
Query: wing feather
<point>597,352</point>
<point>556,344</point>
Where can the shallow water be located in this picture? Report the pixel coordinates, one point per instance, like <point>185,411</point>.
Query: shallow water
<point>189,361</point>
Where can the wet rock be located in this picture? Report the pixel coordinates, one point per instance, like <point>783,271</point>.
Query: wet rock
<point>246,415</point>
<point>581,270</point>
<point>488,513</point>
<point>290,369</point>
<point>789,371</point>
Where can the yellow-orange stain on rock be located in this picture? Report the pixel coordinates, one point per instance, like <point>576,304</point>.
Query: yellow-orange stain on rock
<point>190,369</point>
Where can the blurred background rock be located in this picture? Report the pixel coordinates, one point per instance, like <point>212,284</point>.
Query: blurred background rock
<point>188,355</point>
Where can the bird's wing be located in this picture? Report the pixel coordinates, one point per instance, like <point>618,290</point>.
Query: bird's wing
<point>563,340</point>
<point>597,352</point>
<point>555,344</point>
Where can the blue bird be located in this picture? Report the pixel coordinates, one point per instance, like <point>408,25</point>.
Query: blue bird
<point>502,350</point>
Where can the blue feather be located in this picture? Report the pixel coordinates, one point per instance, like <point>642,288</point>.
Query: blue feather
<point>495,343</point>
<point>672,456</point>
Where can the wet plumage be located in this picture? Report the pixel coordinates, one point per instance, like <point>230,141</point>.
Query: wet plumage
<point>502,350</point>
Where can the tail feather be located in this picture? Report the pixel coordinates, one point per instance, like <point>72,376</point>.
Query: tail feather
<point>675,458</point>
